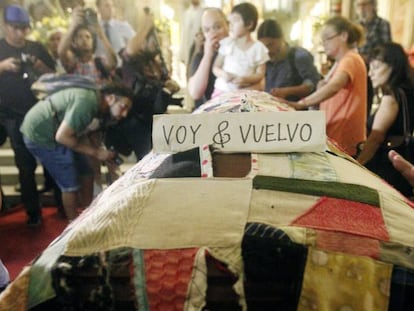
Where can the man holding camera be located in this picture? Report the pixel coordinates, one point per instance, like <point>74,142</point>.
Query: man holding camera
<point>78,45</point>
<point>21,62</point>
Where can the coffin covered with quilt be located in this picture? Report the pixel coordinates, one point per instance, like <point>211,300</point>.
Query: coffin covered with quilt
<point>208,229</point>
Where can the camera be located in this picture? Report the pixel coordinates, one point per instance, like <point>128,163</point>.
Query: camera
<point>27,68</point>
<point>117,159</point>
<point>90,17</point>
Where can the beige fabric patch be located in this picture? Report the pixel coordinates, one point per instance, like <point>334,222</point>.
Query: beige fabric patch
<point>274,165</point>
<point>301,235</point>
<point>397,254</point>
<point>166,214</point>
<point>398,218</point>
<point>350,283</point>
<point>197,289</point>
<point>277,208</point>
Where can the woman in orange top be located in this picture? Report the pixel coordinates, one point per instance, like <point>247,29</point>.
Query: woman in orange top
<point>342,94</point>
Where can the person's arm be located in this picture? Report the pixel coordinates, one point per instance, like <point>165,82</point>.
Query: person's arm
<point>384,118</point>
<point>110,60</point>
<point>402,165</point>
<point>253,79</point>
<point>42,60</point>
<point>137,43</point>
<point>9,64</point>
<point>218,70</point>
<point>66,136</point>
<point>337,82</point>
<point>301,90</point>
<point>65,53</point>
<point>303,62</point>
<point>198,82</point>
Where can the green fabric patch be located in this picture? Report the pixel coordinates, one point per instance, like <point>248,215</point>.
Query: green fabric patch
<point>331,189</point>
<point>139,279</point>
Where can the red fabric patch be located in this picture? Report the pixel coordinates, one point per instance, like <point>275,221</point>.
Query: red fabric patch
<point>409,202</point>
<point>345,216</point>
<point>347,243</point>
<point>168,273</point>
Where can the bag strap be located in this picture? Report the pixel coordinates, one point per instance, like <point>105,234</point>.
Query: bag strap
<point>402,99</point>
<point>291,58</point>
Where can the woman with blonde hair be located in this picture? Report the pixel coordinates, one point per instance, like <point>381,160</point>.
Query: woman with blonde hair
<point>342,94</point>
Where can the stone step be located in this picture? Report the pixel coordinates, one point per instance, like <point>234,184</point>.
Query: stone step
<point>12,197</point>
<point>6,157</point>
<point>9,174</point>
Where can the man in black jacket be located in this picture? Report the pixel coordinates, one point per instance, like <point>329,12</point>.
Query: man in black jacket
<point>21,62</point>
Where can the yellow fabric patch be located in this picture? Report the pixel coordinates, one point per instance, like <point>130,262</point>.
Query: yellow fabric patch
<point>336,281</point>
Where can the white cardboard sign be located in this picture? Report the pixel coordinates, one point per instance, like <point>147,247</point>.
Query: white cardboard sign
<point>261,132</point>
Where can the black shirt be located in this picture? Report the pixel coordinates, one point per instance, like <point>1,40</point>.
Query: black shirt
<point>16,98</point>
<point>211,79</point>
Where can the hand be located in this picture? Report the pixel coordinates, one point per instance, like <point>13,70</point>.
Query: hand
<point>240,82</point>
<point>228,77</point>
<point>211,44</point>
<point>402,165</point>
<point>10,64</point>
<point>279,92</point>
<point>77,17</point>
<point>103,154</point>
<point>296,105</point>
<point>145,22</point>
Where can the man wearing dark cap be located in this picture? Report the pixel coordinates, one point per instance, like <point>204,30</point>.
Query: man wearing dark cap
<point>21,62</point>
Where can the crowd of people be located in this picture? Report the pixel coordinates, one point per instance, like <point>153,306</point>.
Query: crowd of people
<point>81,127</point>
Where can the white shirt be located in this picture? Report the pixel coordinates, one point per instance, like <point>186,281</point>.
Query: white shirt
<point>240,62</point>
<point>120,32</point>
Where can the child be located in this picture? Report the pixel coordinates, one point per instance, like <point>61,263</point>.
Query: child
<point>241,61</point>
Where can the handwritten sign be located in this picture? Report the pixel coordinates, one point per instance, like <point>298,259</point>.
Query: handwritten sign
<point>265,132</point>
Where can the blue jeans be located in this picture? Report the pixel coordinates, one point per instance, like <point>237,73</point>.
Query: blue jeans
<point>63,164</point>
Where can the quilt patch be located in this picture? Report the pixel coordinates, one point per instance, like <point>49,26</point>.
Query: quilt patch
<point>345,216</point>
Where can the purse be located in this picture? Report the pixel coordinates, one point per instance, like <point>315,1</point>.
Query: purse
<point>403,144</point>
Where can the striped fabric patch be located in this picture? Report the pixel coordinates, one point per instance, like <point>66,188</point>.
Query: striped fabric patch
<point>332,189</point>
<point>345,216</point>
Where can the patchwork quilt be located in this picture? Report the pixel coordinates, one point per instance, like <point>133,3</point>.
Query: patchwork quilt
<point>206,230</point>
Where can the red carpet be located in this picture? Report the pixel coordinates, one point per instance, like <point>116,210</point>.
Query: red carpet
<point>19,244</point>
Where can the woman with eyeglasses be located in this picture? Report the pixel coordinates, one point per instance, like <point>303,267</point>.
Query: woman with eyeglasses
<point>390,74</point>
<point>342,93</point>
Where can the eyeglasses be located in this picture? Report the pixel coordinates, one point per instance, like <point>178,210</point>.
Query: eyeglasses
<point>327,39</point>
